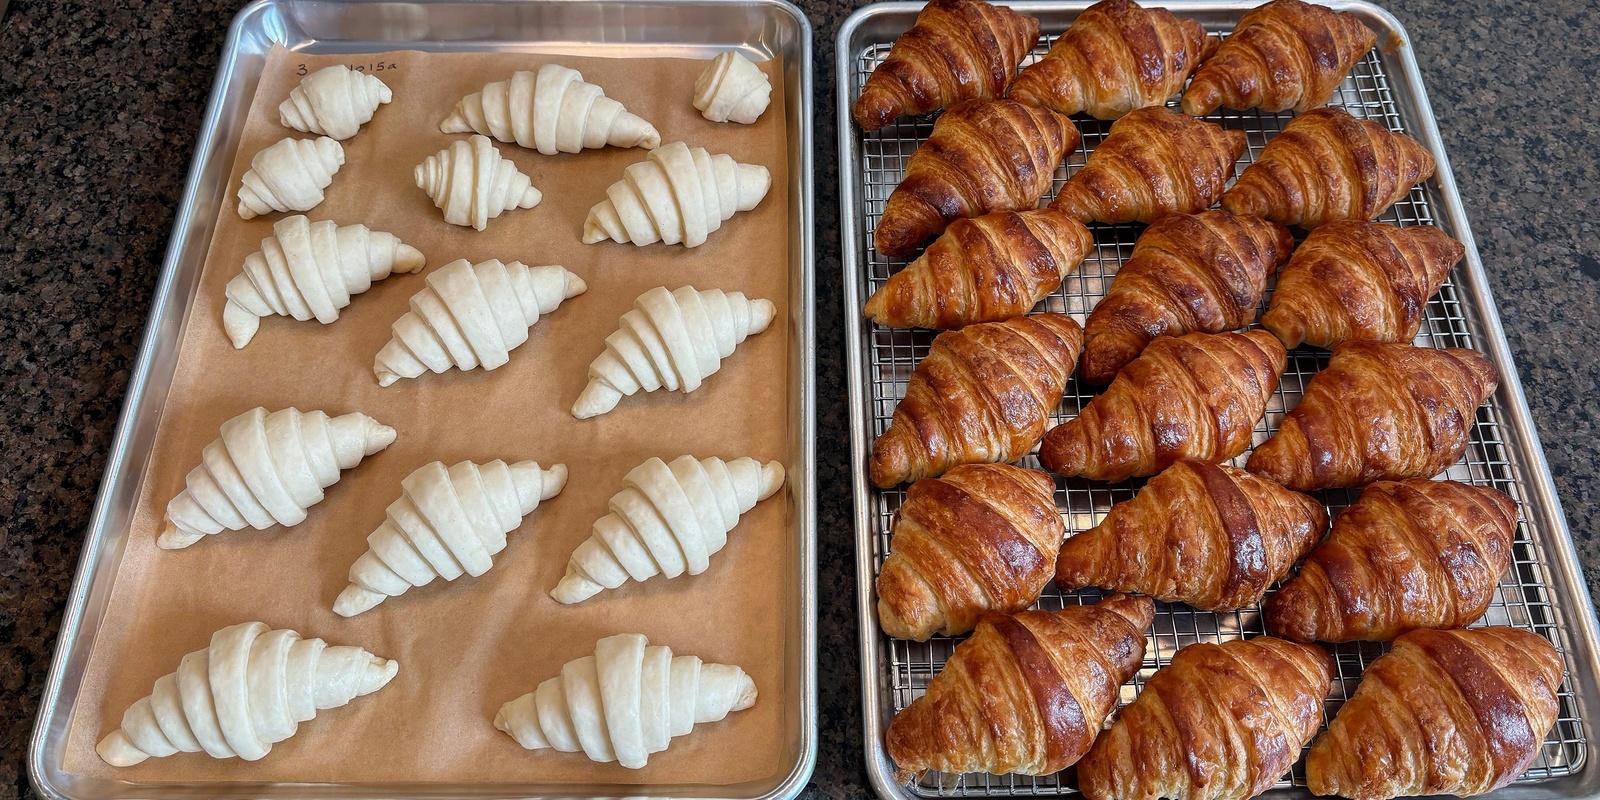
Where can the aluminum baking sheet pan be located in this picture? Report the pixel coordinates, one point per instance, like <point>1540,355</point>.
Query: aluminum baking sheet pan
<point>1544,589</point>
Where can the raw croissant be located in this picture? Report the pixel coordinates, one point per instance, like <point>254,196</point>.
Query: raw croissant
<point>1328,166</point>
<point>625,702</point>
<point>1220,722</point>
<point>1025,694</point>
<point>982,394</point>
<point>1195,396</point>
<point>978,539</point>
<point>472,183</point>
<point>1201,273</point>
<point>1445,712</point>
<point>670,340</point>
<point>1360,280</point>
<point>1378,412</point>
<point>310,269</point>
<point>472,315</point>
<point>1115,58</point>
<point>1153,162</point>
<point>732,89</point>
<point>447,522</point>
<point>981,157</point>
<point>957,50</point>
<point>1412,554</point>
<point>289,176</point>
<point>1282,55</point>
<point>245,693</point>
<point>1215,537</point>
<point>266,469</point>
<point>333,101</point>
<point>552,111</point>
<point>677,195</point>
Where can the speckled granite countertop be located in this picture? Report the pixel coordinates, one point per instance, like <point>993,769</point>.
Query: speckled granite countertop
<point>99,106</point>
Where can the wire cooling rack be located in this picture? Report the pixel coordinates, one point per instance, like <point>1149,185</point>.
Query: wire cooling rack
<point>1522,599</point>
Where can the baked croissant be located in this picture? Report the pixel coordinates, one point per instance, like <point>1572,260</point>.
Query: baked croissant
<point>250,689</point>
<point>472,183</point>
<point>957,50</point>
<point>266,469</point>
<point>677,195</point>
<point>626,701</point>
<point>1220,722</point>
<point>1282,55</point>
<point>1194,396</point>
<point>447,522</point>
<point>552,111</point>
<point>1460,712</point>
<point>732,89</point>
<point>310,270</point>
<point>1115,58</point>
<point>333,101</point>
<point>289,176</point>
<point>982,394</point>
<point>1026,694</point>
<point>1153,162</point>
<point>472,315</point>
<point>667,520</point>
<point>1328,166</point>
<point>1409,554</point>
<point>1199,273</point>
<point>981,157</point>
<point>988,269</point>
<point>1215,537</point>
<point>1378,412</point>
<point>1360,280</point>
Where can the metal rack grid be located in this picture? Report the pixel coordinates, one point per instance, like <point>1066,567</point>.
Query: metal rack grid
<point>1521,600</point>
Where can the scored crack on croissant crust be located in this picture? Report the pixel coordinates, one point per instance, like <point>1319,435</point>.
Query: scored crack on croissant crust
<point>1283,55</point>
<point>1153,162</point>
<point>472,183</point>
<point>289,175</point>
<point>334,101</point>
<point>677,195</point>
<point>553,111</point>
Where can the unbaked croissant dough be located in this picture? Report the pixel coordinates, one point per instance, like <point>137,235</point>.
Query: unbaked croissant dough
<point>310,269</point>
<point>333,101</point>
<point>671,340</point>
<point>266,469</point>
<point>472,183</point>
<point>250,689</point>
<point>667,520</point>
<point>289,176</point>
<point>731,89</point>
<point>553,111</point>
<point>472,315</point>
<point>678,195</point>
<point>625,702</point>
<point>448,522</point>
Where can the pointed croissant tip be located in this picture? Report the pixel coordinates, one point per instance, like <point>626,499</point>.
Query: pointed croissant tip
<point>379,672</point>
<point>890,464</point>
<point>761,314</point>
<point>174,538</point>
<point>379,436</point>
<point>771,478</point>
<point>119,751</point>
<point>407,259</point>
<point>574,588</point>
<point>240,324</point>
<point>555,479</point>
<point>1282,324</point>
<point>1138,610</point>
<point>754,181</point>
<point>327,146</point>
<point>384,375</point>
<point>747,692</point>
<point>597,399</point>
<point>1063,450</point>
<point>355,600</point>
<point>574,285</point>
<point>593,232</point>
<point>1201,98</point>
<point>1244,200</point>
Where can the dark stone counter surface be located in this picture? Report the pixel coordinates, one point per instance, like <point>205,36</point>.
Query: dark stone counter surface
<point>99,107</point>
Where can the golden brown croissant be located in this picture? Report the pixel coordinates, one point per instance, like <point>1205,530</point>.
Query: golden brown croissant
<point>981,157</point>
<point>1380,411</point>
<point>1409,554</point>
<point>978,539</point>
<point>1212,536</point>
<point>1221,722</point>
<point>1188,273</point>
<point>957,50</point>
<point>1153,162</point>
<point>982,394</point>
<point>1194,396</point>
<point>1282,55</point>
<point>1459,712</point>
<point>1115,58</point>
<point>1025,694</point>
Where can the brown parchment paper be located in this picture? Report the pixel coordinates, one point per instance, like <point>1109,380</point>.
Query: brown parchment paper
<point>468,646</point>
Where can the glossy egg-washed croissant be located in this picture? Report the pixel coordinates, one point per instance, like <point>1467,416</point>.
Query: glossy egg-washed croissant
<point>1282,55</point>
<point>1025,694</point>
<point>1460,712</point>
<point>1152,163</point>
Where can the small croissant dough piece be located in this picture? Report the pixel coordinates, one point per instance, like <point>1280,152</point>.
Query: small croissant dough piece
<point>667,520</point>
<point>677,195</point>
<point>670,340</point>
<point>266,469</point>
<point>552,111</point>
<point>1445,712</point>
<point>1194,396</point>
<point>625,702</point>
<point>1282,55</point>
<point>333,101</point>
<point>310,270</point>
<point>472,315</point>
<point>289,176</point>
<point>1220,722</point>
<point>978,539</point>
<point>732,89</point>
<point>1213,536</point>
<point>1153,162</point>
<point>472,183</point>
<point>983,394</point>
<point>447,522</point>
<point>1409,554</point>
<point>1025,694</point>
<point>245,693</point>
<point>1378,412</point>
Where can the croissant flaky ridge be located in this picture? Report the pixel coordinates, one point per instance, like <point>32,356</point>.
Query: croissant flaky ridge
<point>553,111</point>
<point>1153,162</point>
<point>334,101</point>
<point>472,183</point>
<point>732,89</point>
<point>1282,55</point>
<point>289,175</point>
<point>677,195</point>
